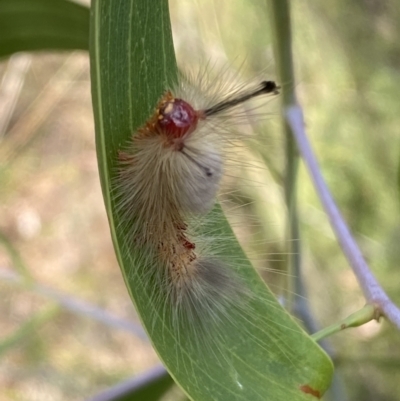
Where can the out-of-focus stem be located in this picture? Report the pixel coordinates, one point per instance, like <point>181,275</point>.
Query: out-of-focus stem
<point>280,17</point>
<point>371,288</point>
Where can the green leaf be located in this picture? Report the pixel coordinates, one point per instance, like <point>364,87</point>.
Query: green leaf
<point>263,354</point>
<point>42,25</point>
<point>151,390</point>
<point>149,386</point>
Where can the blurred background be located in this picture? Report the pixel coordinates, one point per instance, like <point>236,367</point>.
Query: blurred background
<point>68,327</point>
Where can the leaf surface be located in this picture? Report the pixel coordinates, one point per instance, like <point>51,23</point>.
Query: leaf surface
<point>263,354</point>
<point>27,25</point>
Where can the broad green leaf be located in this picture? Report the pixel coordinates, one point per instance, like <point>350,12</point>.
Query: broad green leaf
<point>149,386</point>
<point>42,25</point>
<point>150,390</point>
<point>262,354</point>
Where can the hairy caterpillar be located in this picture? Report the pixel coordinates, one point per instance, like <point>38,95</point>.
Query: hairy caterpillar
<point>167,182</point>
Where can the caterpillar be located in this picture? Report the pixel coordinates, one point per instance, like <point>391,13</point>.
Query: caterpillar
<point>167,182</point>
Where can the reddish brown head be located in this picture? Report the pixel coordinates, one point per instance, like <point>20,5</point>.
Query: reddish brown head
<point>176,118</point>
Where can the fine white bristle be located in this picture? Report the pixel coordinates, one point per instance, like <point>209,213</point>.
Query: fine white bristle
<point>168,179</point>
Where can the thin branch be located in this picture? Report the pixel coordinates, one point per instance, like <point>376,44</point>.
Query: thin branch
<point>10,87</point>
<point>281,27</point>
<point>75,305</point>
<point>371,288</point>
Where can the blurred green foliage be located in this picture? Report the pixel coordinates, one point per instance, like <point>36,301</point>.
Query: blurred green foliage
<point>346,56</point>
<point>42,25</point>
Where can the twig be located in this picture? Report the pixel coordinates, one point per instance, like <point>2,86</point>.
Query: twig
<point>372,290</point>
<point>281,27</point>
<point>28,123</point>
<point>75,305</point>
<point>10,87</point>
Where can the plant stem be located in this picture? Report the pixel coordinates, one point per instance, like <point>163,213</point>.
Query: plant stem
<point>280,17</point>
<point>372,290</point>
<point>362,316</point>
